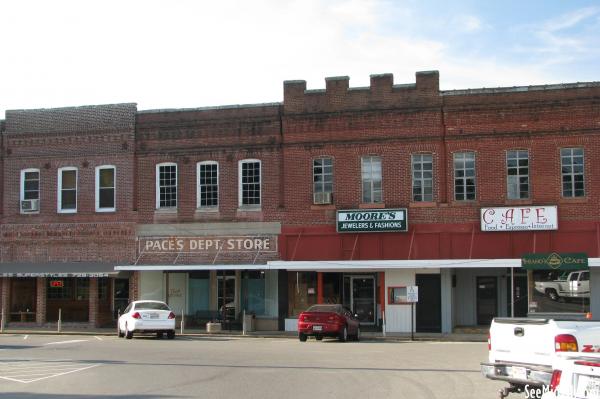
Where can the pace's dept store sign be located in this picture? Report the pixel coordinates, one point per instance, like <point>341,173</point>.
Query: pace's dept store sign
<point>371,220</point>
<point>208,244</point>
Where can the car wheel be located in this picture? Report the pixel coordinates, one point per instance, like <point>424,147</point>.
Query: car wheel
<point>120,333</point>
<point>171,334</point>
<point>344,334</point>
<point>302,337</point>
<point>159,335</point>
<point>552,294</point>
<point>128,334</point>
<point>319,338</point>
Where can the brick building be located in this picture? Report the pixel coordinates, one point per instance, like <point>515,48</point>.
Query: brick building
<point>346,195</point>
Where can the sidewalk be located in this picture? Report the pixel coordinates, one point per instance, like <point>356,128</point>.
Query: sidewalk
<point>370,336</point>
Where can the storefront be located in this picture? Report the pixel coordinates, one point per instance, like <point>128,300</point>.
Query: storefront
<point>212,272</point>
<point>83,293</point>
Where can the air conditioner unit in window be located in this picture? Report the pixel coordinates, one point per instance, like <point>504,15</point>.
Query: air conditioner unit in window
<point>323,198</point>
<point>32,205</point>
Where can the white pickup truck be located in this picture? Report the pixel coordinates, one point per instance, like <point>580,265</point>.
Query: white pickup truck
<point>575,376</point>
<point>523,350</point>
<point>576,285</point>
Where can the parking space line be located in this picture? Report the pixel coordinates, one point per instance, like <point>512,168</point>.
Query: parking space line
<point>25,337</point>
<point>73,341</point>
<point>68,372</point>
<point>98,338</point>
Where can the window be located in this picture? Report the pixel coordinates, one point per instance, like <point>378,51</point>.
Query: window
<point>572,172</point>
<point>30,190</point>
<point>208,184</point>
<point>67,190</point>
<point>166,185</point>
<point>422,177</point>
<point>105,188</point>
<point>249,172</point>
<point>322,180</point>
<point>464,176</point>
<point>517,169</point>
<point>371,179</point>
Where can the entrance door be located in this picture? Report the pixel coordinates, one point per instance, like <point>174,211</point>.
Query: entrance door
<point>520,291</point>
<point>487,300</point>
<point>429,307</point>
<point>120,296</point>
<point>362,298</point>
<point>226,294</point>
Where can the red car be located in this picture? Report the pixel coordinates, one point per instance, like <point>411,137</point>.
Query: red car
<point>328,321</point>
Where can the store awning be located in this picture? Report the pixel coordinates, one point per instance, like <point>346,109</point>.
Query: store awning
<point>57,269</point>
<point>189,268</point>
<point>396,264</point>
<point>354,265</point>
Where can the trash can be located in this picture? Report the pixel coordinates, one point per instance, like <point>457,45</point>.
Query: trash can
<point>249,322</point>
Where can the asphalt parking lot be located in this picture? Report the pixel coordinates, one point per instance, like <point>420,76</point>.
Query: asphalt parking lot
<point>49,367</point>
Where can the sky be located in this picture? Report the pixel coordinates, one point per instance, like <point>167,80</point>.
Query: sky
<point>185,54</point>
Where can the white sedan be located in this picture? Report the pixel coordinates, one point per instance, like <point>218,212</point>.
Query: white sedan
<point>147,317</point>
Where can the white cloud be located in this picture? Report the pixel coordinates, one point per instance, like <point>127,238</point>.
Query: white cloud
<point>468,23</point>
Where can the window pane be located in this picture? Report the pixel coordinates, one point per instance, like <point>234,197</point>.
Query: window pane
<point>107,198</point>
<point>69,199</point>
<point>107,178</point>
<point>69,179</point>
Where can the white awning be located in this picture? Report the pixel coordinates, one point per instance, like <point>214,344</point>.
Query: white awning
<point>354,265</point>
<point>395,264</point>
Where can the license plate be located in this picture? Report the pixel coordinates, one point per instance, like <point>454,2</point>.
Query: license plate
<point>153,315</point>
<point>519,373</point>
<point>317,328</point>
<point>588,387</point>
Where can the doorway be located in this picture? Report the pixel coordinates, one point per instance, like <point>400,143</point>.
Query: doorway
<point>226,294</point>
<point>429,308</point>
<point>362,298</point>
<point>487,300</point>
<point>520,292</point>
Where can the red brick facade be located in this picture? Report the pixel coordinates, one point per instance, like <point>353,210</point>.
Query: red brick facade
<point>386,120</point>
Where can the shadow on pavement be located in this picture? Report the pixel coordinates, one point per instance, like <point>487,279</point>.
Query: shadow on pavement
<point>27,395</point>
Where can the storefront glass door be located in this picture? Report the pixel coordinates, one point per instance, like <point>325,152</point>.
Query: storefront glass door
<point>226,294</point>
<point>362,298</point>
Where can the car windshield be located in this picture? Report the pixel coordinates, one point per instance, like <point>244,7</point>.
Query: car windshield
<point>151,306</point>
<point>325,308</point>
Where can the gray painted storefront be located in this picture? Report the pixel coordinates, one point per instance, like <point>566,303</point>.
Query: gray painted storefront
<point>465,294</point>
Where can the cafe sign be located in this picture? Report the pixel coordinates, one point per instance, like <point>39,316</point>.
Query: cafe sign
<point>555,261</point>
<point>519,218</point>
<point>371,220</point>
<point>208,244</point>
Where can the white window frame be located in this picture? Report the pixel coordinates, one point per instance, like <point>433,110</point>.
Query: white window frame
<point>198,198</point>
<point>240,190</point>
<point>519,176</point>
<point>321,184</point>
<point>59,190</point>
<point>22,187</point>
<point>98,169</point>
<point>370,181</point>
<point>158,166</point>
<point>422,179</point>
<point>464,178</point>
<point>572,173</point>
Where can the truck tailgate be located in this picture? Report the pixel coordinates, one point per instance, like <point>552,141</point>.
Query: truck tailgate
<point>528,341</point>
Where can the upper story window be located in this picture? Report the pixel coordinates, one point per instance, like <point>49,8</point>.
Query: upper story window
<point>371,179</point>
<point>464,176</point>
<point>572,163</point>
<point>67,190</point>
<point>105,188</point>
<point>166,185</point>
<point>422,177</point>
<point>250,179</point>
<point>30,191</point>
<point>322,180</point>
<point>517,179</point>
<point>208,184</point>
